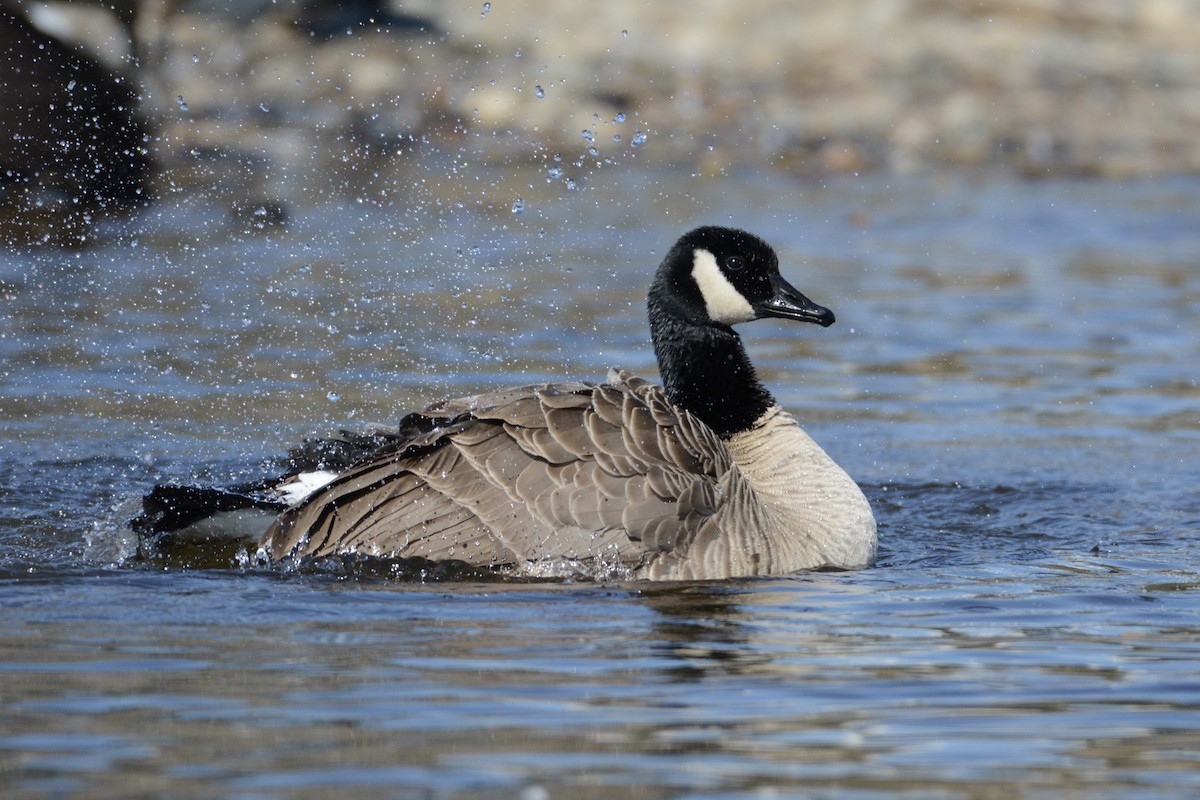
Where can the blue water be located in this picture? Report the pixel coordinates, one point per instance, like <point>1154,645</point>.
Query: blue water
<point>1012,378</point>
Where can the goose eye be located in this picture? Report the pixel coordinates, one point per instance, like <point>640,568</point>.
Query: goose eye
<point>735,263</point>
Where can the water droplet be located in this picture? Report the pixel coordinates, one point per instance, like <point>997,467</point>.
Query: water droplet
<point>616,137</point>
<point>624,34</point>
<point>571,184</point>
<point>638,139</point>
<point>264,108</point>
<point>588,136</point>
<point>195,59</point>
<point>333,397</point>
<point>518,206</point>
<point>183,106</point>
<point>487,9</point>
<point>593,152</point>
<point>619,117</point>
<point>71,86</point>
<point>539,92</point>
<point>554,172</point>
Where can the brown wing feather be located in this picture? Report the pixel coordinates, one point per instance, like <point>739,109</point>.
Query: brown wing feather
<point>568,470</point>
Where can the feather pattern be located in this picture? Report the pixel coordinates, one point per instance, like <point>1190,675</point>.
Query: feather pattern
<point>563,471</point>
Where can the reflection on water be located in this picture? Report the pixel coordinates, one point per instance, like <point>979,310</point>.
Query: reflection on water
<point>1011,378</point>
<point>831,682</point>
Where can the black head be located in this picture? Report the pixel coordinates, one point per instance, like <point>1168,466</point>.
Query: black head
<point>723,276</point>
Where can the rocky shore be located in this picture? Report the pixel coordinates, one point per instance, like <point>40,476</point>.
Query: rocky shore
<point>275,90</point>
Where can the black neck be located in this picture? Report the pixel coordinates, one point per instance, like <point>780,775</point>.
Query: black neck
<point>706,371</point>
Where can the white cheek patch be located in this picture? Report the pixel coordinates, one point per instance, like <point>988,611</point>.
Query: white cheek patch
<point>723,303</point>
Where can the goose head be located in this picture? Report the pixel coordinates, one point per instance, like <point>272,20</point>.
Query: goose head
<point>714,278</point>
<point>719,277</point>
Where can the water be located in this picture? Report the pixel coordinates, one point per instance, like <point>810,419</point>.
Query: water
<point>1012,378</point>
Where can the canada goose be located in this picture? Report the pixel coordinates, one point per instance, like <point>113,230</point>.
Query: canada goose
<point>703,478</point>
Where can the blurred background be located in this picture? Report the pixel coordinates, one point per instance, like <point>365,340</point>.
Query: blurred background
<point>111,103</point>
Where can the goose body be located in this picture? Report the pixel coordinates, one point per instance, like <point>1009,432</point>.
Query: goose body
<point>705,477</point>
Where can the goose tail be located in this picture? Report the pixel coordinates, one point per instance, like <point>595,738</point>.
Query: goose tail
<point>209,526</point>
<point>201,527</point>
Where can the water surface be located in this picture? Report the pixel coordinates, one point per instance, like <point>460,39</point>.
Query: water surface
<point>1012,379</point>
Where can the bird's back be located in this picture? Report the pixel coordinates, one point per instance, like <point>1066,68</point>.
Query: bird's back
<point>560,478</point>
